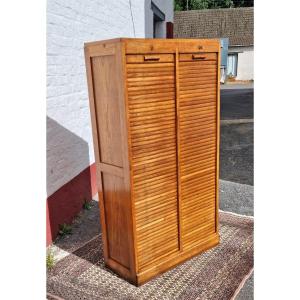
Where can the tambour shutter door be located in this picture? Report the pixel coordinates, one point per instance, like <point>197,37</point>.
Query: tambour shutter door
<point>198,142</point>
<point>152,120</point>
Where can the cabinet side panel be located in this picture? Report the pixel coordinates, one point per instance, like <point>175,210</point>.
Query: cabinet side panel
<point>116,218</point>
<point>106,93</point>
<point>107,109</point>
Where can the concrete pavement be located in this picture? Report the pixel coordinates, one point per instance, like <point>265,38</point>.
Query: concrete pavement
<point>236,197</point>
<point>237,104</point>
<point>236,153</point>
<point>236,157</point>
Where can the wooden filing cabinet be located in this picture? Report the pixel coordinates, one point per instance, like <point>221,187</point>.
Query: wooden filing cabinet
<point>155,117</point>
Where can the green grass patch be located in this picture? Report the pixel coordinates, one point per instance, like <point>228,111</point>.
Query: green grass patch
<point>87,205</point>
<point>50,261</point>
<point>65,229</point>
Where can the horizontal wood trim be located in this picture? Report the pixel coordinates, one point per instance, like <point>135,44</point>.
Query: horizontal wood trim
<point>110,169</point>
<point>149,58</point>
<point>154,66</point>
<point>101,50</point>
<point>150,46</point>
<point>197,173</point>
<point>200,56</point>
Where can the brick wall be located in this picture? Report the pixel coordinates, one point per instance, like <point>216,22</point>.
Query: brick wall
<point>70,158</point>
<point>69,25</point>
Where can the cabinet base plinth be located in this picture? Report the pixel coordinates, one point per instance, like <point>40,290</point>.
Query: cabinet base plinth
<point>161,267</point>
<point>177,259</point>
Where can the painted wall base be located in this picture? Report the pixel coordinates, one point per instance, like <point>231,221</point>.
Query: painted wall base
<point>67,202</point>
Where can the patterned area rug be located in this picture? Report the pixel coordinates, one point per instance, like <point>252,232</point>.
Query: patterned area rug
<point>215,274</point>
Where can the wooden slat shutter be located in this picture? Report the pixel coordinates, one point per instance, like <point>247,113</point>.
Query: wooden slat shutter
<point>198,146</point>
<point>152,119</point>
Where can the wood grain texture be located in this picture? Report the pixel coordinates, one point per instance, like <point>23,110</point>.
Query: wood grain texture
<point>198,131</point>
<point>108,116</point>
<point>156,218</point>
<point>155,116</point>
<point>107,109</point>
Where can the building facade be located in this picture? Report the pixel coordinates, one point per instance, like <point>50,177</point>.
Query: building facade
<point>240,62</point>
<point>236,24</point>
<point>71,177</point>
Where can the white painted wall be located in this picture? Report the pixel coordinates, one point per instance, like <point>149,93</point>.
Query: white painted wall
<point>70,23</point>
<point>166,6</point>
<point>245,62</point>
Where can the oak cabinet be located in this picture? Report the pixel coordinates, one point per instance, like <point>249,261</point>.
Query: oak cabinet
<point>155,118</point>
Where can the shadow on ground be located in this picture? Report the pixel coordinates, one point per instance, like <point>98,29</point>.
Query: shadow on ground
<point>85,227</point>
<point>65,150</point>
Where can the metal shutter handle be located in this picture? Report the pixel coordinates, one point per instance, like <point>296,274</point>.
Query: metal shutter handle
<point>197,56</point>
<point>151,58</point>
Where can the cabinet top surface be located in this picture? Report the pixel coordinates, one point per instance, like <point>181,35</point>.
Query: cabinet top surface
<point>149,40</point>
<point>143,45</point>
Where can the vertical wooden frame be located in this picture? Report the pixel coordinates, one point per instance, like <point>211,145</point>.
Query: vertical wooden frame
<point>96,149</point>
<point>178,149</point>
<point>121,79</point>
<point>129,154</point>
<point>218,139</point>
